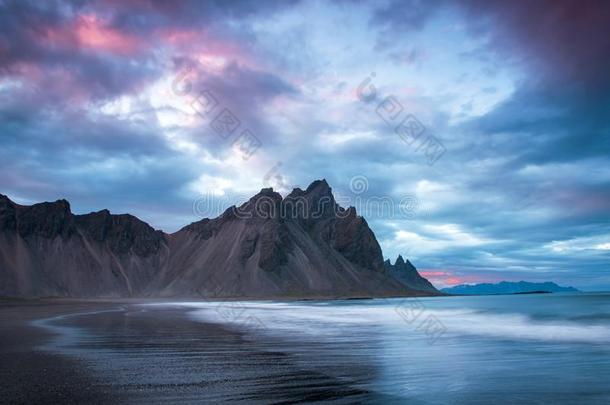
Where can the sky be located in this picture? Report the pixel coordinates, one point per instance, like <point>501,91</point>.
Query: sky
<point>473,136</point>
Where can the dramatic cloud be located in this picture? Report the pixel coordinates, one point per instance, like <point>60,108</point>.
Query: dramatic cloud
<point>175,110</point>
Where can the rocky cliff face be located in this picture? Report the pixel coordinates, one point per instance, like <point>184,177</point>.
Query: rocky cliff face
<point>45,250</point>
<point>303,245</point>
<point>407,274</point>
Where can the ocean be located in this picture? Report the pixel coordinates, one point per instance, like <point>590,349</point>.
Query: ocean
<point>538,348</point>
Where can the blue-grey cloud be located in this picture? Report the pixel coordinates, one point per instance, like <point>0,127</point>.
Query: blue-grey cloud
<point>517,92</point>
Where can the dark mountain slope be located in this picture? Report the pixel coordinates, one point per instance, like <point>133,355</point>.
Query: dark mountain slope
<point>303,245</point>
<point>407,274</point>
<point>45,250</point>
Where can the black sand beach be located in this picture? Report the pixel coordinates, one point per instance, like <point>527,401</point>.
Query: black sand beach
<point>119,352</point>
<point>495,349</point>
<point>31,375</point>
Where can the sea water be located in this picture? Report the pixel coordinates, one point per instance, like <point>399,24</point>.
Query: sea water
<point>537,348</point>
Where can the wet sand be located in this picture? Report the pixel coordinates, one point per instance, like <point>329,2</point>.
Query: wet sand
<point>31,375</point>
<point>497,349</point>
<point>121,352</point>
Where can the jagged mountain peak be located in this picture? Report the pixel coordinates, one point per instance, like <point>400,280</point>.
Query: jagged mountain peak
<point>321,250</point>
<point>122,232</point>
<point>317,187</point>
<point>406,273</point>
<point>321,185</point>
<point>60,205</point>
<point>296,191</point>
<point>399,260</point>
<point>8,209</point>
<point>267,194</point>
<point>265,204</point>
<point>47,219</point>
<point>320,189</point>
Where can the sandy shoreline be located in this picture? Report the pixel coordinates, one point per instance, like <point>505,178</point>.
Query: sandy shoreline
<point>69,351</point>
<point>135,354</point>
<point>31,375</point>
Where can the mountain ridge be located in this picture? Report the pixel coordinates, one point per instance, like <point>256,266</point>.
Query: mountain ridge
<point>303,245</point>
<point>404,271</point>
<point>507,287</point>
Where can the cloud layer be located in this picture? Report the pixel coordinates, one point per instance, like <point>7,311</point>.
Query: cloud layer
<point>152,107</point>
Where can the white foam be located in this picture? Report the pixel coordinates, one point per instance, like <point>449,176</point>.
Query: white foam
<point>332,320</point>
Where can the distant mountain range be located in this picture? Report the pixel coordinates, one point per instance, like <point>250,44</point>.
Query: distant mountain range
<point>300,246</point>
<point>507,287</point>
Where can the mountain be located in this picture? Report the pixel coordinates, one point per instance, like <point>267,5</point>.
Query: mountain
<point>45,250</point>
<point>507,287</point>
<point>300,246</point>
<point>407,274</point>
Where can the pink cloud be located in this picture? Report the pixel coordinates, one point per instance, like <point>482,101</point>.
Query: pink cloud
<point>433,273</point>
<point>446,278</point>
<point>179,36</point>
<point>455,280</point>
<point>92,33</point>
<point>89,32</point>
<point>208,53</point>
